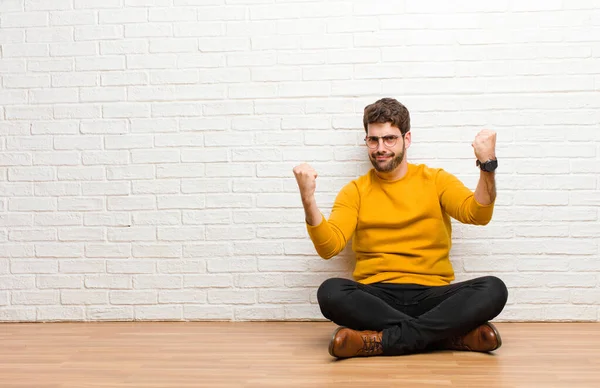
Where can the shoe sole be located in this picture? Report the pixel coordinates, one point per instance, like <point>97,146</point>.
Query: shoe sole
<point>332,343</point>
<point>497,333</point>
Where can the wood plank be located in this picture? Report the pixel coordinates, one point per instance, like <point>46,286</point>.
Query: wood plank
<point>276,354</point>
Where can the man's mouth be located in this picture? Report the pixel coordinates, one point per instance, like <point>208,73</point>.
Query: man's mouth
<point>382,157</point>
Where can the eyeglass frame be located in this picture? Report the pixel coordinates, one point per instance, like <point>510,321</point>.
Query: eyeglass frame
<point>395,137</point>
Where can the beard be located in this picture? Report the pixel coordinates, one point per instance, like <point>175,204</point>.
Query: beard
<point>389,165</point>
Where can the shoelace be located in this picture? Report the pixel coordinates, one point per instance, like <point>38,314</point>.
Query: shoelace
<point>371,344</point>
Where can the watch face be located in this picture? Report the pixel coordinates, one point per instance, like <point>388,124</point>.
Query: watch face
<point>490,165</point>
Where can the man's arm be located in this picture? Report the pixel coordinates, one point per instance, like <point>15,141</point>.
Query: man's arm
<point>485,193</point>
<point>328,236</point>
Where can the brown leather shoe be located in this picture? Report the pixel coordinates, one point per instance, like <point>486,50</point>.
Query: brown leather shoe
<point>353,343</point>
<point>484,338</point>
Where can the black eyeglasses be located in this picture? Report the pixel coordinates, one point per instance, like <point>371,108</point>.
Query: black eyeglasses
<point>388,140</point>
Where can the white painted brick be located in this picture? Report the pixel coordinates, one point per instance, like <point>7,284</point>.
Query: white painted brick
<point>182,296</point>
<point>49,35</point>
<point>129,233</point>
<point>210,281</point>
<point>217,233</point>
<point>203,155</point>
<point>32,235</point>
<point>59,250</point>
<point>15,220</point>
<point>33,266</point>
<point>205,217</point>
<point>110,313</point>
<point>59,282</point>
<point>203,60</point>
<point>15,128</point>
<point>31,174</point>
<point>12,6</point>
<point>130,266</point>
<point>29,81</point>
<point>3,299</point>
<point>60,313</point>
<point>149,3</point>
<point>28,113</point>
<point>125,110</point>
<point>159,251</point>
<point>172,14</point>
<point>259,313</point>
<point>35,297</point>
<point>273,216</point>
<point>256,185</point>
<point>127,141</point>
<point>58,219</point>
<point>57,158</point>
<point>81,234</point>
<point>130,172</point>
<point>103,250</point>
<point>182,170</point>
<point>173,77</point>
<point>70,80</point>
<point>148,30</point>
<point>80,172</point>
<point>157,281</point>
<point>133,297</point>
<point>72,49</point>
<point>107,219</point>
<point>231,265</point>
<point>123,16</point>
<point>24,19</point>
<point>17,314</point>
<point>72,18</point>
<point>105,157</point>
<point>17,282</point>
<point>54,127</point>
<point>165,186</point>
<point>181,266</point>
<point>99,63</point>
<point>123,46</point>
<point>228,201</point>
<point>131,202</point>
<point>80,111</point>
<point>108,281</point>
<point>158,313</point>
<point>93,4</point>
<point>87,33</point>
<point>15,159</point>
<point>124,78</point>
<point>176,109</point>
<point>181,202</point>
<point>83,297</point>
<point>231,297</point>
<point>224,44</point>
<point>13,97</point>
<point>151,61</point>
<point>29,50</point>
<point>207,313</point>
<point>80,204</point>
<point>181,233</point>
<point>153,125</point>
<point>205,250</point>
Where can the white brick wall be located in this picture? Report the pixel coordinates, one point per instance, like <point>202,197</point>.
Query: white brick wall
<point>147,146</point>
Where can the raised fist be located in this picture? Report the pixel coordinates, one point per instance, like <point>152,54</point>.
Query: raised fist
<point>306,177</point>
<point>484,145</point>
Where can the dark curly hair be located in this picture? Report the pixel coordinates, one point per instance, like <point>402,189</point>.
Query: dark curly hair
<point>387,110</point>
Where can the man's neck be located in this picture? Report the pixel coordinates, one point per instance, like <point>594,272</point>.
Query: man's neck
<point>397,174</point>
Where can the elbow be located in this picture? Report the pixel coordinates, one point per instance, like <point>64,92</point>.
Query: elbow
<point>326,254</point>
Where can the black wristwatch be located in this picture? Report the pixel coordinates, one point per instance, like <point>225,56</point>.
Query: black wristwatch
<point>488,166</point>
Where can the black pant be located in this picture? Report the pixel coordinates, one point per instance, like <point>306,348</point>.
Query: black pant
<point>412,317</point>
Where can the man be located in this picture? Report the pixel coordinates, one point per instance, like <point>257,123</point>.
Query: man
<point>401,300</point>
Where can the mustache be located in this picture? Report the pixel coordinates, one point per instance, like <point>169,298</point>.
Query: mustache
<point>376,154</point>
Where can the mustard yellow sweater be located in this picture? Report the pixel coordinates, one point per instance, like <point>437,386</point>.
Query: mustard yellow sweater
<point>401,229</point>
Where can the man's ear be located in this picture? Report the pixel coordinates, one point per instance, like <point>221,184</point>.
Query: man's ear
<point>407,139</point>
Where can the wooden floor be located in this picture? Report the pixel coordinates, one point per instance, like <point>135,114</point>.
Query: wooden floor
<point>193,354</point>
